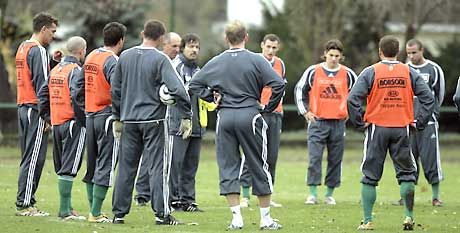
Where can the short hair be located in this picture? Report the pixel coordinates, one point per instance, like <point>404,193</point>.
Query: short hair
<point>271,37</point>
<point>188,38</point>
<point>389,45</point>
<point>154,29</point>
<point>43,19</point>
<point>168,37</point>
<point>413,42</point>
<point>235,32</point>
<point>113,32</point>
<point>75,43</point>
<point>333,44</point>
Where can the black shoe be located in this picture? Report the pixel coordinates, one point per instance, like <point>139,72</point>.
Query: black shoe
<point>176,205</point>
<point>167,220</point>
<point>118,220</point>
<point>191,207</point>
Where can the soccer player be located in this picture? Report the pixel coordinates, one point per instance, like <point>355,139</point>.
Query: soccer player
<point>139,121</point>
<point>186,152</point>
<point>102,148</point>
<point>270,46</point>
<point>425,143</point>
<point>238,76</point>
<point>388,88</point>
<point>321,98</point>
<point>171,46</point>
<point>32,67</point>
<point>57,105</point>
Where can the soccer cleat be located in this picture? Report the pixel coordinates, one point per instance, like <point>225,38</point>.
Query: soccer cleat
<point>311,200</point>
<point>272,226</point>
<point>176,205</point>
<point>118,220</point>
<point>233,227</point>
<point>369,226</point>
<point>99,219</point>
<point>399,202</point>
<point>275,205</point>
<point>436,202</point>
<point>31,211</point>
<point>329,201</point>
<point>167,220</point>
<point>244,203</point>
<point>73,216</point>
<point>408,224</point>
<point>191,207</point>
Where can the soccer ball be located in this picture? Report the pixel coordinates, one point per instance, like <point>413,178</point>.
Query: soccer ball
<point>165,97</point>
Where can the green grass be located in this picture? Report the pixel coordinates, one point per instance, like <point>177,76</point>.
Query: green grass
<point>290,190</point>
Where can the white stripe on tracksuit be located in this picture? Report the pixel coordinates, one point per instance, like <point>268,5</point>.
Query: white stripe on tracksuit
<point>264,148</point>
<point>167,157</point>
<point>33,161</point>
<point>81,145</point>
<point>116,143</point>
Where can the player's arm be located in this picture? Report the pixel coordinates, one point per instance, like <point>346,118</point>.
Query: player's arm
<point>271,79</point>
<point>301,90</point>
<point>425,98</point>
<point>37,59</point>
<point>44,102</point>
<point>76,87</point>
<point>358,95</point>
<point>439,86</point>
<point>199,84</point>
<point>176,87</point>
<point>115,82</point>
<point>109,67</point>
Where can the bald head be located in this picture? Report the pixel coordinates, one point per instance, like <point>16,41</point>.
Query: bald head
<point>171,44</point>
<point>77,47</point>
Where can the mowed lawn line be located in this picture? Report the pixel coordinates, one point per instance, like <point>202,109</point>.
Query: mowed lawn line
<point>290,190</point>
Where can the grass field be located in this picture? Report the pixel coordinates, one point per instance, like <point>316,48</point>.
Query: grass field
<point>290,190</point>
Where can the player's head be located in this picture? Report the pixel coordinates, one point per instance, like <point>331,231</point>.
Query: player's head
<point>114,35</point>
<point>414,50</point>
<point>153,30</point>
<point>270,45</point>
<point>388,46</point>
<point>235,33</point>
<point>333,53</point>
<point>171,44</point>
<point>44,26</point>
<point>190,46</point>
<point>77,47</point>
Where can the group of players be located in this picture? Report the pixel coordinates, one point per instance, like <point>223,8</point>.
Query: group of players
<point>112,104</point>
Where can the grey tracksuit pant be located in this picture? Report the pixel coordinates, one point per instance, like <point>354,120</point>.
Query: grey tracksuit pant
<point>377,142</point>
<point>69,143</point>
<point>274,122</point>
<point>185,159</point>
<point>143,179</point>
<point>321,134</point>
<point>33,142</point>
<point>137,139</point>
<point>425,146</point>
<point>102,150</point>
<point>243,127</point>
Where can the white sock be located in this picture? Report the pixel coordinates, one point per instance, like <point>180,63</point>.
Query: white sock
<point>237,217</point>
<point>265,217</point>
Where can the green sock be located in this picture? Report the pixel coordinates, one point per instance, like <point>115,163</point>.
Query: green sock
<point>329,191</point>
<point>407,193</point>
<point>435,188</point>
<point>313,190</point>
<point>89,193</point>
<point>65,193</point>
<point>368,196</point>
<point>99,193</point>
<point>246,192</point>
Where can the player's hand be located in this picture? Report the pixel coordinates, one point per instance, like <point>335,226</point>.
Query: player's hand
<point>185,128</point>
<point>116,129</point>
<point>217,97</point>
<point>48,127</point>
<point>57,55</point>
<point>310,117</point>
